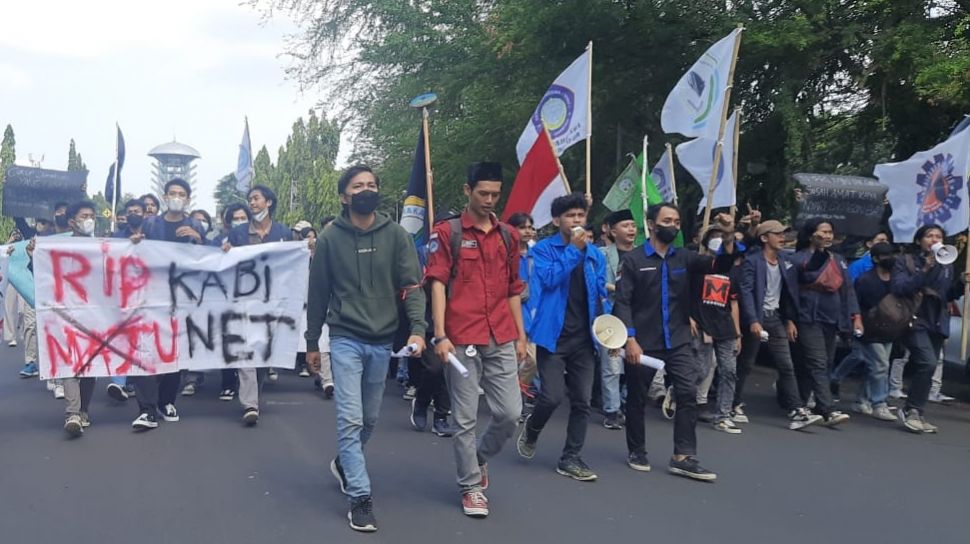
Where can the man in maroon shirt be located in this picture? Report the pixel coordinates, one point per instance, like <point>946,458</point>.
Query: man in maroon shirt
<point>477,315</point>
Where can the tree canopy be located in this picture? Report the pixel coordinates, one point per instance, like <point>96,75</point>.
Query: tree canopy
<point>825,85</point>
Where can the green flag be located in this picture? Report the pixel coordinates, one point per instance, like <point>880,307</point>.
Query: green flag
<point>626,194</point>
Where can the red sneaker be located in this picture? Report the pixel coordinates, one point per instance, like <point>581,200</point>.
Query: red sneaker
<point>474,504</point>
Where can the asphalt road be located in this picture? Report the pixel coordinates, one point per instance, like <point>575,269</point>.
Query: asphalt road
<point>208,479</point>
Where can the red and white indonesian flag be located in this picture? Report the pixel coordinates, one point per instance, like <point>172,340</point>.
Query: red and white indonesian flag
<point>929,188</point>
<point>564,111</point>
<point>536,185</point>
<point>695,105</point>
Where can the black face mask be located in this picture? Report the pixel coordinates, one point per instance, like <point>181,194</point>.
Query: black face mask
<point>365,202</point>
<point>61,221</point>
<point>887,263</point>
<point>666,234</point>
<point>135,221</point>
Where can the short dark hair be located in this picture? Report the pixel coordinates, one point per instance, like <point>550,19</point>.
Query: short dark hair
<point>484,171</point>
<point>572,201</point>
<point>231,211</point>
<point>921,232</point>
<point>153,198</point>
<point>181,183</point>
<point>886,231</point>
<point>350,173</point>
<point>327,219</point>
<point>268,194</point>
<point>654,211</point>
<point>60,205</point>
<point>73,209</point>
<point>135,202</point>
<point>208,218</point>
<point>808,230</point>
<point>518,219</point>
<point>307,230</point>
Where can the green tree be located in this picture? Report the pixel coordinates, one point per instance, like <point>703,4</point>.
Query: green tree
<point>826,85</point>
<point>226,193</point>
<point>8,156</point>
<point>74,161</point>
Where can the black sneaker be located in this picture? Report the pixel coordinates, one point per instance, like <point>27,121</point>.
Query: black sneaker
<point>638,461</point>
<point>251,417</point>
<point>361,514</point>
<point>834,389</point>
<point>613,421</point>
<point>801,418</point>
<point>338,473</point>
<point>144,422</point>
<point>116,392</point>
<point>419,416</point>
<point>576,468</point>
<point>523,445</point>
<point>227,394</point>
<point>328,391</point>
<point>690,468</point>
<point>441,427</point>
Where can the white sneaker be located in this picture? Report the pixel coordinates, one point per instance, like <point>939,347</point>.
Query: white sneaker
<point>882,413</point>
<point>862,407</point>
<point>738,415</point>
<point>51,384</point>
<point>58,391</point>
<point>13,343</point>
<point>169,413</point>
<point>940,398</point>
<point>897,394</point>
<point>727,426</point>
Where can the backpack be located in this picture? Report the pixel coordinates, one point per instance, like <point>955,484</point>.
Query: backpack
<point>893,316</point>
<point>454,227</point>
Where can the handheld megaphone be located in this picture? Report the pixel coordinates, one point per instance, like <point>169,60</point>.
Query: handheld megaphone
<point>609,331</point>
<point>944,254</point>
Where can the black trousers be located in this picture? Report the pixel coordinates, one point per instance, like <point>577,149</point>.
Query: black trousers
<point>567,370</point>
<point>155,391</point>
<point>924,353</point>
<point>815,354</point>
<point>780,349</point>
<point>683,371</point>
<point>427,374</point>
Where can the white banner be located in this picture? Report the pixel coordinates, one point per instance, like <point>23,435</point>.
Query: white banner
<point>695,105</point>
<point>113,308</point>
<point>663,177</point>
<point>563,109</point>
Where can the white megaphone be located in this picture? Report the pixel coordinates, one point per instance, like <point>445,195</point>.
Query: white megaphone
<point>944,254</point>
<point>609,331</point>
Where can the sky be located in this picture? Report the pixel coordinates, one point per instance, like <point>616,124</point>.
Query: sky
<point>188,69</point>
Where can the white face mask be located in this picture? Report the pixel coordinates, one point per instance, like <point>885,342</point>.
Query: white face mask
<point>259,217</point>
<point>205,226</point>
<point>530,243</point>
<point>87,227</point>
<point>239,222</point>
<point>176,204</point>
<point>714,244</point>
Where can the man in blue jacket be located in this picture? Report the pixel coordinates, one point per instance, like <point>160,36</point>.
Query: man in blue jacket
<point>568,286</point>
<point>769,308</point>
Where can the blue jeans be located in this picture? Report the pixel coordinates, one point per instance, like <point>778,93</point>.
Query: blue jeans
<point>359,371</point>
<point>877,370</point>
<point>610,370</point>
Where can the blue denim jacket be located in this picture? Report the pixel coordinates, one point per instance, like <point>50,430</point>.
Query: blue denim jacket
<point>553,260</point>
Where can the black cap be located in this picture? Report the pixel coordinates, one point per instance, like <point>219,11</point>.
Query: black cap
<point>619,216</point>
<point>484,171</point>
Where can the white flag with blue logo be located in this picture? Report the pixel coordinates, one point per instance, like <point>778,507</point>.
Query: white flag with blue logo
<point>563,109</point>
<point>697,157</point>
<point>663,177</point>
<point>695,106</point>
<point>929,188</point>
<point>244,165</point>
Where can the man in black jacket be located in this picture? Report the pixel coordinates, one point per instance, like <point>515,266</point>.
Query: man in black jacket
<point>654,281</point>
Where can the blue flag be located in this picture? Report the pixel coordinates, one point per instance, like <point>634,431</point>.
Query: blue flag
<point>113,183</point>
<point>244,164</point>
<point>414,215</point>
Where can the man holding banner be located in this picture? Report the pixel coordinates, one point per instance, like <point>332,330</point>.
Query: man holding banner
<point>157,393</point>
<point>365,265</point>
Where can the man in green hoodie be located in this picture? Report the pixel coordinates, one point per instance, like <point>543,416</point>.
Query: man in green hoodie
<point>364,266</point>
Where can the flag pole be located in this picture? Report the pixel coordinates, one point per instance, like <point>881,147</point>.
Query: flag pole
<point>965,327</point>
<point>114,184</point>
<point>555,152</point>
<point>737,138</point>
<point>589,121</point>
<point>428,176</point>
<point>720,133</point>
<point>643,186</point>
<point>673,179</point>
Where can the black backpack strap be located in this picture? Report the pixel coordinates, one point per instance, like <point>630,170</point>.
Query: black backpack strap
<point>454,242</point>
